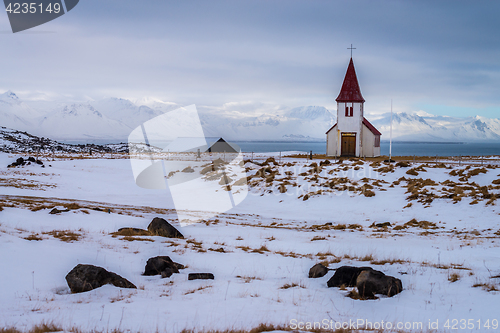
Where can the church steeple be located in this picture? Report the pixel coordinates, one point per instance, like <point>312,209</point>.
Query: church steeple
<point>350,91</point>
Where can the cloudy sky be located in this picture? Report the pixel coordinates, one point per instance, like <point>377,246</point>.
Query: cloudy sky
<point>442,57</point>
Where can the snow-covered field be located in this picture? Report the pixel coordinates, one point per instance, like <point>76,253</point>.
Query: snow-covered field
<point>443,243</point>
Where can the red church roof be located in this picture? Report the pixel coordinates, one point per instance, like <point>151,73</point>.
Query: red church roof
<point>350,91</point>
<point>371,127</point>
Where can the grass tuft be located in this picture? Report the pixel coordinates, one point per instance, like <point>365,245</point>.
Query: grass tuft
<point>292,285</point>
<point>64,235</point>
<point>454,277</point>
<point>33,237</point>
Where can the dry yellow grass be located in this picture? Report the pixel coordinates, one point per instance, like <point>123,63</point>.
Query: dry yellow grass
<point>292,285</point>
<point>35,203</point>
<point>454,277</point>
<point>420,224</point>
<point>34,237</point>
<point>486,286</point>
<point>64,235</point>
<point>248,279</point>
<point>141,239</point>
<point>131,232</point>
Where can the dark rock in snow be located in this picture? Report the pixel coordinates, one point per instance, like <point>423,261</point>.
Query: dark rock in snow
<point>160,227</point>
<point>88,277</point>
<point>317,271</point>
<point>381,225</point>
<point>167,272</point>
<point>57,211</point>
<point>346,275</point>
<point>371,282</point>
<point>162,265</point>
<point>20,161</point>
<point>200,276</point>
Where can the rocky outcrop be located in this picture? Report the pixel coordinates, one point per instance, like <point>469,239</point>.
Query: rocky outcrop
<point>367,280</point>
<point>162,265</point>
<point>371,282</point>
<point>318,271</point>
<point>88,277</point>
<point>22,162</point>
<point>160,227</point>
<point>346,276</point>
<point>200,276</point>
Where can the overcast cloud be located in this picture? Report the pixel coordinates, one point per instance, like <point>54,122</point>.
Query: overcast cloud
<point>442,57</point>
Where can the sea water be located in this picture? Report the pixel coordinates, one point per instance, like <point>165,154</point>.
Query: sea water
<point>398,148</point>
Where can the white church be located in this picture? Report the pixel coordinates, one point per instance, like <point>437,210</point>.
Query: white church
<point>352,135</point>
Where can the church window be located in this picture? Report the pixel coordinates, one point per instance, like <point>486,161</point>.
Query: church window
<point>348,111</point>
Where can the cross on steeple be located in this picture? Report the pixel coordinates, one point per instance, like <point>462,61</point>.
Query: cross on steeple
<point>351,48</point>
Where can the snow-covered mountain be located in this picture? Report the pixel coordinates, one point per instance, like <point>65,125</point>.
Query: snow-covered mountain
<point>311,113</point>
<point>114,118</point>
<point>82,121</point>
<point>415,127</point>
<point>300,124</point>
<point>15,113</point>
<point>132,114</point>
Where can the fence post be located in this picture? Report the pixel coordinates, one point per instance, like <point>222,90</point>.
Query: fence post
<point>311,155</point>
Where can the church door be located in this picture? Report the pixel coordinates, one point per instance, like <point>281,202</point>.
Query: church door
<point>348,144</point>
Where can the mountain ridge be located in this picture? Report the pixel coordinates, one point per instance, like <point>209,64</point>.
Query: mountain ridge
<point>114,118</point>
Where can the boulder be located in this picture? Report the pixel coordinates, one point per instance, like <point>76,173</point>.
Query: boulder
<point>18,162</point>
<point>318,271</point>
<point>380,225</point>
<point>167,272</point>
<point>346,276</point>
<point>21,162</point>
<point>371,282</point>
<point>57,211</point>
<point>88,277</point>
<point>200,276</point>
<point>161,265</point>
<point>160,227</point>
